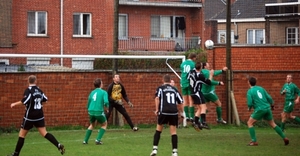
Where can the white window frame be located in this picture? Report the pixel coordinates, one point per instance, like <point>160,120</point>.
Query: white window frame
<point>36,24</point>
<point>254,37</point>
<point>89,25</point>
<point>163,28</point>
<point>296,34</point>
<point>222,34</point>
<point>125,28</point>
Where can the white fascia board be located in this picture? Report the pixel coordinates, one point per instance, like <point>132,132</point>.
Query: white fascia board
<point>243,20</point>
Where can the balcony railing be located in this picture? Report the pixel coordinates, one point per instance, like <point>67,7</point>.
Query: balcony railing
<point>161,44</point>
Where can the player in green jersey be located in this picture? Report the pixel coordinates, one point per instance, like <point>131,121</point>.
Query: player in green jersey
<point>185,68</point>
<point>260,101</point>
<point>97,101</point>
<point>290,90</point>
<point>209,91</point>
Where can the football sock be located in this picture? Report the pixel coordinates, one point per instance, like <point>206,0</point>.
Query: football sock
<point>19,145</point>
<point>252,134</point>
<point>192,112</point>
<point>156,138</point>
<point>279,131</point>
<point>87,135</point>
<point>186,111</point>
<point>196,120</point>
<point>203,118</point>
<point>297,119</point>
<point>282,125</point>
<point>100,134</point>
<point>219,112</point>
<point>174,141</point>
<point>52,139</point>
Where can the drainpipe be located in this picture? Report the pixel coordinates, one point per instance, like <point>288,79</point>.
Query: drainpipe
<point>61,32</point>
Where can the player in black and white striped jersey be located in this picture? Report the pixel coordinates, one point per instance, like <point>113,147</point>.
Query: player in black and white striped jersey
<point>167,99</point>
<point>33,99</point>
<point>196,80</point>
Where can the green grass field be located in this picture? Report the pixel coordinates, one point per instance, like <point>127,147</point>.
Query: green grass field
<point>220,140</point>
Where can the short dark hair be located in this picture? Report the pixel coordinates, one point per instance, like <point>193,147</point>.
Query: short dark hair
<point>167,78</point>
<point>198,66</point>
<point>252,81</point>
<point>203,64</point>
<point>192,55</point>
<point>97,82</point>
<point>31,79</point>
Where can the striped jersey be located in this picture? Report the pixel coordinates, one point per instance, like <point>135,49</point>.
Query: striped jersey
<point>169,97</point>
<point>196,80</point>
<point>33,100</point>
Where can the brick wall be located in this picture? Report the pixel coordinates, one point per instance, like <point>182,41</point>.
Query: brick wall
<point>5,23</point>
<point>67,92</point>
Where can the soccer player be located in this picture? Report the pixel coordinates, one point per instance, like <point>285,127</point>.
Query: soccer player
<point>260,100</point>
<point>116,91</point>
<point>196,80</point>
<point>33,99</point>
<point>166,99</point>
<point>185,68</point>
<point>209,91</point>
<point>97,101</point>
<point>290,90</point>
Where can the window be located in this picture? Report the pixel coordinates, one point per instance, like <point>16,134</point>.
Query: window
<point>37,25</point>
<point>167,26</point>
<point>222,36</point>
<point>123,26</point>
<point>81,25</point>
<point>292,35</point>
<point>255,36</point>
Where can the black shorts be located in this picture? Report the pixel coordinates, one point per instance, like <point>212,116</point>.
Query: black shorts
<point>198,99</point>
<point>167,119</point>
<point>27,125</point>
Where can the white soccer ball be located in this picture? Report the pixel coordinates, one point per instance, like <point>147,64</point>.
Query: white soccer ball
<point>209,44</point>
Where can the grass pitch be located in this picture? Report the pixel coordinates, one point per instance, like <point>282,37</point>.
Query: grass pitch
<point>219,141</point>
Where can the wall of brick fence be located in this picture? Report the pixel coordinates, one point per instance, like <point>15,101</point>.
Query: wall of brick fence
<point>68,91</point>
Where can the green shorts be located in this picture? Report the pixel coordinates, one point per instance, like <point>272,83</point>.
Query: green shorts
<point>262,114</point>
<point>101,119</point>
<point>211,96</point>
<point>288,106</point>
<point>186,90</point>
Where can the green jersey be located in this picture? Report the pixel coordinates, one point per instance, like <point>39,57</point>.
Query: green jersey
<point>209,88</point>
<point>258,98</point>
<point>97,99</point>
<point>291,90</point>
<point>185,68</point>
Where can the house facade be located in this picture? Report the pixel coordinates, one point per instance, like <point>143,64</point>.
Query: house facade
<point>272,22</point>
<point>73,27</point>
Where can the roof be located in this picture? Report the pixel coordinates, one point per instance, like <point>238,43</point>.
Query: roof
<point>247,9</point>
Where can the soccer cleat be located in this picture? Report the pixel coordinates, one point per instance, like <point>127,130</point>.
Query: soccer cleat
<point>174,154</point>
<point>97,142</point>
<point>221,121</point>
<point>84,143</point>
<point>205,126</point>
<point>286,141</point>
<point>196,127</point>
<point>61,148</point>
<point>154,152</point>
<point>135,128</point>
<point>13,154</point>
<point>253,144</point>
